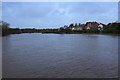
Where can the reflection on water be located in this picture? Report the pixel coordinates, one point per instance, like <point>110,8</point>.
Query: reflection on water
<point>60,56</point>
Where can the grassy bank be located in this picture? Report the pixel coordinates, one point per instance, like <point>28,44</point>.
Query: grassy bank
<point>73,33</point>
<point>103,34</point>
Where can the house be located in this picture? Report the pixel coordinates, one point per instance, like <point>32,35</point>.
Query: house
<point>80,28</point>
<point>77,28</point>
<point>100,27</point>
<point>88,28</point>
<point>73,28</point>
<point>93,26</point>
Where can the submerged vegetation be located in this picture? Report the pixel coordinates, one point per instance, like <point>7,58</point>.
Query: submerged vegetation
<point>88,28</point>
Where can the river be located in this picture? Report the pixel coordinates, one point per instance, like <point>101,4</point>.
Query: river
<point>37,55</point>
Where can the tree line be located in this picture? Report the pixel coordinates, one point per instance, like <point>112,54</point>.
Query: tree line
<point>113,28</point>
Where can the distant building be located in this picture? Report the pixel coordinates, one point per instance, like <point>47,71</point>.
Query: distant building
<point>73,28</point>
<point>91,26</point>
<point>88,26</point>
<point>100,27</point>
<point>78,27</point>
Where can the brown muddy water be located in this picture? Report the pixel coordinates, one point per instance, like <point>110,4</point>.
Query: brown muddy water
<point>60,56</point>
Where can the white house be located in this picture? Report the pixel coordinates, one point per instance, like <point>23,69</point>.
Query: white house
<point>100,26</point>
<point>88,28</point>
<point>73,28</point>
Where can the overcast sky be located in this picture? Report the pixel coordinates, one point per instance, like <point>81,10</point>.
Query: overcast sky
<point>57,14</point>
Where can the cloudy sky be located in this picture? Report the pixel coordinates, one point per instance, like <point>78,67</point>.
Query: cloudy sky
<point>57,14</point>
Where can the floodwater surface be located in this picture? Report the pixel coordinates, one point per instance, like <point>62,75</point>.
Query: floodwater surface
<point>60,56</point>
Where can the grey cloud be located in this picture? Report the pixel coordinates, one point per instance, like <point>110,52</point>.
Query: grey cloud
<point>57,14</point>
